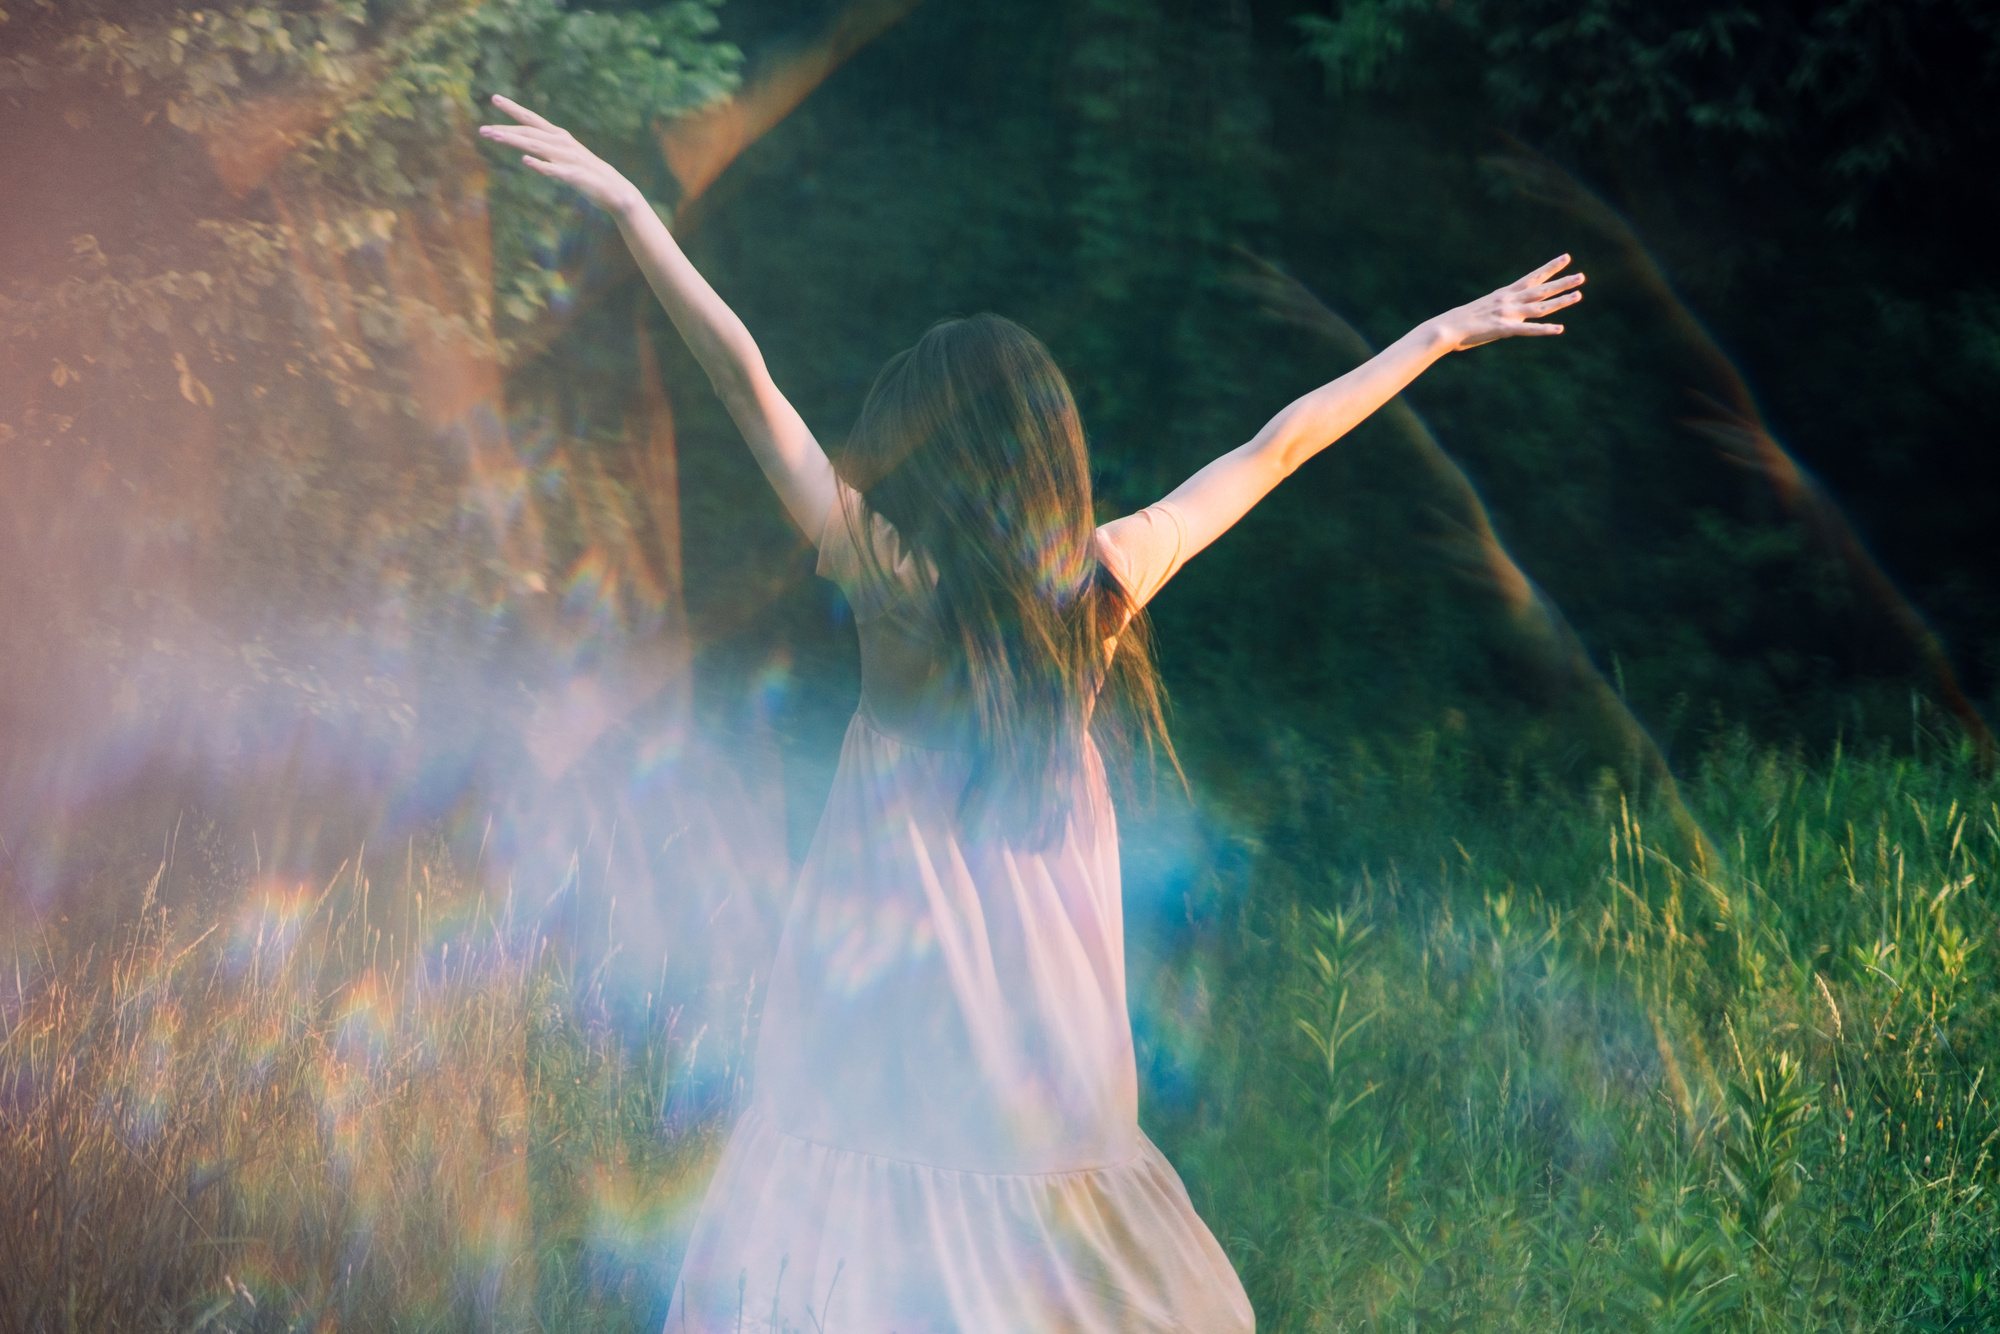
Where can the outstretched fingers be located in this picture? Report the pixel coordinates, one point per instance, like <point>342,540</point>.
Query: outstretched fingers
<point>521,113</point>
<point>1544,273</point>
<point>535,134</point>
<point>1544,291</point>
<point>1543,307</point>
<point>509,138</point>
<point>1541,297</point>
<point>529,141</point>
<point>540,146</point>
<point>550,151</point>
<point>1514,310</point>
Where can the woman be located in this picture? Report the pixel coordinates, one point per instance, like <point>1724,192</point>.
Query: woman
<point>944,1132</point>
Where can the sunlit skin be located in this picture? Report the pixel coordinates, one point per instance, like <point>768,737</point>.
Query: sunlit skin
<point>1542,635</point>
<point>797,467</point>
<point>437,256</point>
<point>382,559</point>
<point>945,1065</point>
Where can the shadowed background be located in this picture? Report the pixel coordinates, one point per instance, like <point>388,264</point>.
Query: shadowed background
<point>336,453</point>
<point>355,499</point>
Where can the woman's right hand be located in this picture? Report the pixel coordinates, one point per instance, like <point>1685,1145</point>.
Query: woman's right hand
<point>552,151</point>
<point>1513,310</point>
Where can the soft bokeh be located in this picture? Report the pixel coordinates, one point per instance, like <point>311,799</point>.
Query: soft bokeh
<point>414,705</point>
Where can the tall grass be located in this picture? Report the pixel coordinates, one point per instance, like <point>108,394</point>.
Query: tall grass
<point>1437,1056</point>
<point>294,1120</point>
<point>1507,1087</point>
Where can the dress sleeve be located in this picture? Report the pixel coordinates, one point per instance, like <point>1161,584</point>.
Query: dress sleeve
<point>872,586</point>
<point>1145,549</point>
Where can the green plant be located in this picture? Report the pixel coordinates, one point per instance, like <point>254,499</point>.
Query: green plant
<point>1761,1167</point>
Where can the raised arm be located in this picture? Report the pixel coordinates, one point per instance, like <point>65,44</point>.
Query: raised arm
<point>1213,499</point>
<point>791,458</point>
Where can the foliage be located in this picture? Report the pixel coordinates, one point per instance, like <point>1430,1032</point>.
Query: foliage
<point>1447,1038</point>
<point>1602,1089</point>
<point>1087,174</point>
<point>249,326</point>
<point>1485,1081</point>
<point>323,1110</point>
<point>383,101</point>
<point>1749,152</point>
<point>243,419</point>
<point>1854,85</point>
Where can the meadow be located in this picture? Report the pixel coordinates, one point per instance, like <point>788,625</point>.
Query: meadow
<point>1431,1057</point>
<point>320,423</point>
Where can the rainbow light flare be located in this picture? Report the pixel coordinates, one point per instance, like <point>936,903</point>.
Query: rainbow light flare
<point>336,575</point>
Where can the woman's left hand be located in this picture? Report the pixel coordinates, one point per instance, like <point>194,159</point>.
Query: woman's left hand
<point>1513,310</point>
<point>552,151</point>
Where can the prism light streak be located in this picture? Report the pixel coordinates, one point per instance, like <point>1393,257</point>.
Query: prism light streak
<point>1738,426</point>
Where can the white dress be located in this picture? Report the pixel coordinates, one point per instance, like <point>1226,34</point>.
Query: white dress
<point>944,1133</point>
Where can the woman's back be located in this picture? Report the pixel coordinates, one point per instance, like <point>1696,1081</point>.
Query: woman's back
<point>981,964</point>
<point>944,1135</point>
<point>945,1105</point>
<point>913,683</point>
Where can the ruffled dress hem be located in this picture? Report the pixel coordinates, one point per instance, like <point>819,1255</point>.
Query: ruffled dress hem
<point>816,1237</point>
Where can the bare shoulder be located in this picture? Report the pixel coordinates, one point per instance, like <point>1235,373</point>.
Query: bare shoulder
<point>1145,549</point>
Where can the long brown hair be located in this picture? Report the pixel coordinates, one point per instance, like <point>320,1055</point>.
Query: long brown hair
<point>970,445</point>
